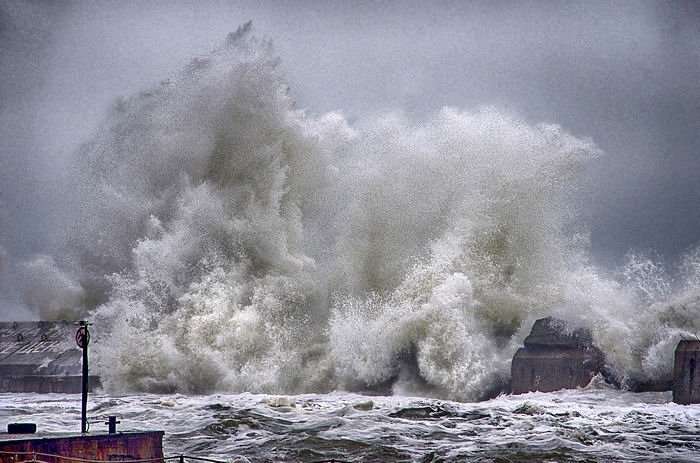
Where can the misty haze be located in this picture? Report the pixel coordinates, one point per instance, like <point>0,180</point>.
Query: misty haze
<point>368,197</point>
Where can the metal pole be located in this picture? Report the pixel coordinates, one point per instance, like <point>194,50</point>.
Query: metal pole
<point>82,338</point>
<point>83,416</point>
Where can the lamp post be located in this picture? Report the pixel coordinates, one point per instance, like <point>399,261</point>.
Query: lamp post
<point>82,338</point>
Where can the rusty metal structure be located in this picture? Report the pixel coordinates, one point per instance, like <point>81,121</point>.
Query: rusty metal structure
<point>72,448</point>
<point>124,447</point>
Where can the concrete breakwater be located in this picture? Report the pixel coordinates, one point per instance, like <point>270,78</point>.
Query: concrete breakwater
<point>556,356</point>
<point>43,357</point>
<point>686,372</point>
<point>40,357</point>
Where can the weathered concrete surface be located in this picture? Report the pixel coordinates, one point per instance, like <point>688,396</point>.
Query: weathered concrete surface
<point>553,332</point>
<point>686,372</point>
<point>555,357</point>
<point>40,357</point>
<point>652,385</point>
<point>103,447</point>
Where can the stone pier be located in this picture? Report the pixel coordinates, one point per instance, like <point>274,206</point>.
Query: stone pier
<point>555,357</point>
<point>686,372</point>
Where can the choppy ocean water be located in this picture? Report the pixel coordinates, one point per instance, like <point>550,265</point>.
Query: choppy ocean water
<point>585,425</point>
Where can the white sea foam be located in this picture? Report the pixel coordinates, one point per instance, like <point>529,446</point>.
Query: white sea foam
<point>592,424</point>
<point>224,240</point>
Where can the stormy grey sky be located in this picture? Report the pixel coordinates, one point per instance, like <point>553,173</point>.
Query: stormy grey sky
<point>624,74</point>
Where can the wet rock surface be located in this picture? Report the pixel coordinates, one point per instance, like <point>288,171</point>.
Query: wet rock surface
<point>553,332</point>
<point>555,357</point>
<point>686,372</point>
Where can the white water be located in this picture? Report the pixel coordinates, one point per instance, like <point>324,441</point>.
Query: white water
<point>223,240</point>
<point>585,425</point>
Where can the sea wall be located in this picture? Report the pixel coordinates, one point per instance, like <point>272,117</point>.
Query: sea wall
<point>41,357</point>
<point>555,357</point>
<point>686,372</point>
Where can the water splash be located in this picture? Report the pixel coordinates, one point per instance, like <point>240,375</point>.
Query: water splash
<point>224,240</point>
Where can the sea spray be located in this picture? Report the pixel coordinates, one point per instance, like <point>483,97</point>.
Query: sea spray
<point>223,240</point>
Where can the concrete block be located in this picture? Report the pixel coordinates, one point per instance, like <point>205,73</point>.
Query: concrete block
<point>686,372</point>
<point>553,332</point>
<point>551,369</point>
<point>555,357</point>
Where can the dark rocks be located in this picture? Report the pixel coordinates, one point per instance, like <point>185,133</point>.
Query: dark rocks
<point>686,373</point>
<point>649,385</point>
<point>555,357</point>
